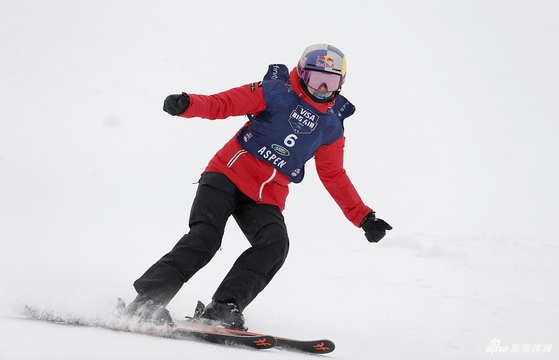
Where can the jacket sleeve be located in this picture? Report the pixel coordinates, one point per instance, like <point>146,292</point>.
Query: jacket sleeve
<point>242,100</point>
<point>330,168</point>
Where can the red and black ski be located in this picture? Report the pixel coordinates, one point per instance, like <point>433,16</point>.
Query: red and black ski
<point>320,346</point>
<point>323,346</point>
<point>256,341</point>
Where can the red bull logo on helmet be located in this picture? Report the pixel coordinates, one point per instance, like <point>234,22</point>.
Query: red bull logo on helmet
<point>325,61</point>
<point>322,57</point>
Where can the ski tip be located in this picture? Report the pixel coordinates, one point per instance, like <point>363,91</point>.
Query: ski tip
<point>324,347</point>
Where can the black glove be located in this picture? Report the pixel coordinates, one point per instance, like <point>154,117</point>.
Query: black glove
<point>375,229</point>
<point>176,104</point>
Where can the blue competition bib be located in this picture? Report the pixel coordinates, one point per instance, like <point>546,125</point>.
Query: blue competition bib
<point>288,133</point>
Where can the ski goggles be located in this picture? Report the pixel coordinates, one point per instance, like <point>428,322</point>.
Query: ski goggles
<point>315,79</point>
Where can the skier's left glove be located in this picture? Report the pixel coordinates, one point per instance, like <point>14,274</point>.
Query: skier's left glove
<point>176,104</point>
<point>375,228</point>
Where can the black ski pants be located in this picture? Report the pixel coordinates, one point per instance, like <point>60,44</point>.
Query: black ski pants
<point>217,198</point>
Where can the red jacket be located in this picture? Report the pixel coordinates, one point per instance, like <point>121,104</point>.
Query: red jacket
<point>258,179</point>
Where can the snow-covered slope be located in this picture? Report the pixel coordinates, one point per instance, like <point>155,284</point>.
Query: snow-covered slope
<point>454,143</point>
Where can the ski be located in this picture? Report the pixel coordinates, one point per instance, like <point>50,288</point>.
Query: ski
<point>323,346</point>
<point>254,341</point>
<point>319,346</point>
<point>257,341</point>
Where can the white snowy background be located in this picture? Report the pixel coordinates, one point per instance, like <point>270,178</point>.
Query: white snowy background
<point>455,142</point>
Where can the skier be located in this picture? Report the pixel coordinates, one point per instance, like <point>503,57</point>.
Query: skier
<point>293,116</point>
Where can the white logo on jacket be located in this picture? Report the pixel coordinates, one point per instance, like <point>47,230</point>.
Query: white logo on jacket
<point>302,120</point>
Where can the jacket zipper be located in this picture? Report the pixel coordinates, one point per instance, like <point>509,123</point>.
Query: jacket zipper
<point>261,190</point>
<point>264,184</point>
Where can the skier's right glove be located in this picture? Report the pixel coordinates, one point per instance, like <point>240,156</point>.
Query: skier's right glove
<point>176,104</point>
<point>375,228</point>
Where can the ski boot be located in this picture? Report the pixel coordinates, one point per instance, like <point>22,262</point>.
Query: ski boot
<point>225,314</point>
<point>146,310</point>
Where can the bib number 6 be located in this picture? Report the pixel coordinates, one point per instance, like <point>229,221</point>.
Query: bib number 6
<point>289,140</point>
